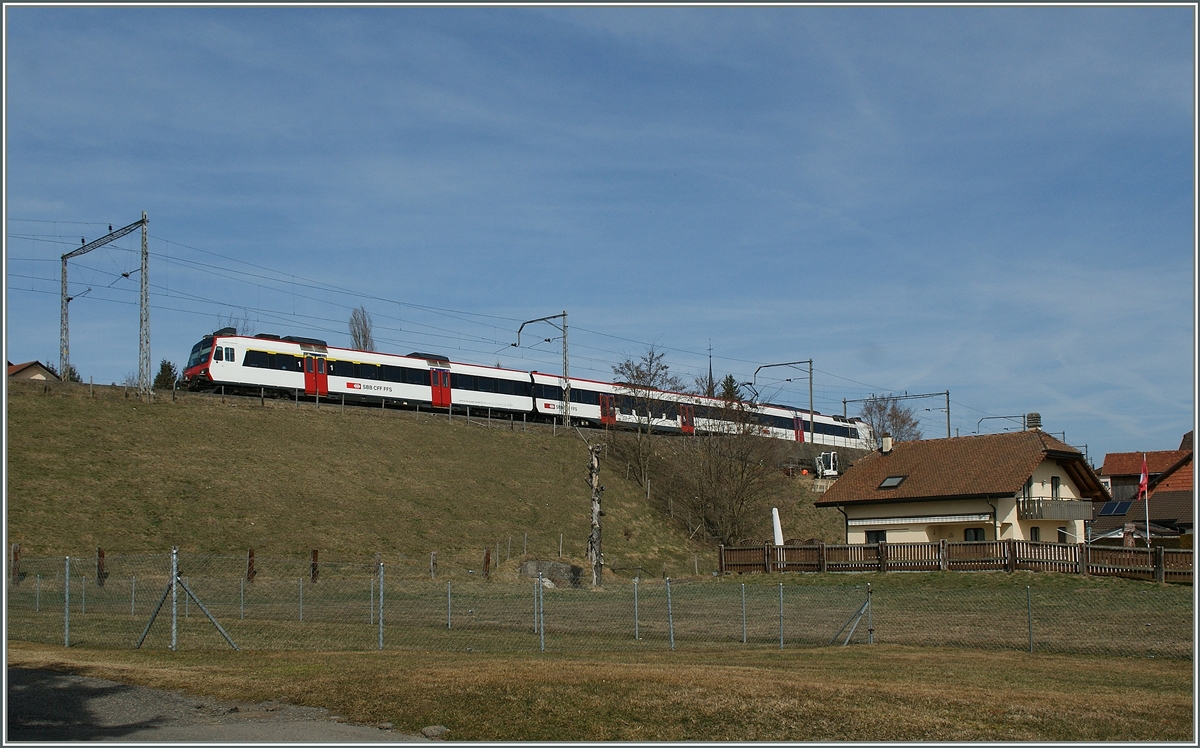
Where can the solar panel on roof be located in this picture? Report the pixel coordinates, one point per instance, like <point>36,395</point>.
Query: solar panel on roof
<point>1115,508</point>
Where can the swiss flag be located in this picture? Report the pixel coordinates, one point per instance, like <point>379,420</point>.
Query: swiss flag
<point>1144,483</point>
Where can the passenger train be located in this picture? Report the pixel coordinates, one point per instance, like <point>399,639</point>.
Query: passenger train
<point>269,364</point>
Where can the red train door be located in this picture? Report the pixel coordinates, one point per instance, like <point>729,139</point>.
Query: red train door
<point>439,381</point>
<point>608,411</point>
<point>799,429</point>
<point>316,376</point>
<point>687,419</point>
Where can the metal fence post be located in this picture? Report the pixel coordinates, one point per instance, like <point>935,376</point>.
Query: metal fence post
<point>743,612</point>
<point>541,613</point>
<point>1029,616</point>
<point>174,597</point>
<point>670,616</point>
<point>636,633</point>
<point>870,619</point>
<point>371,605</point>
<point>380,606</point>
<point>781,615</point>
<point>67,604</point>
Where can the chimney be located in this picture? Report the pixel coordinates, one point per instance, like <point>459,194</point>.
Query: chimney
<point>1033,421</point>
<point>887,443</point>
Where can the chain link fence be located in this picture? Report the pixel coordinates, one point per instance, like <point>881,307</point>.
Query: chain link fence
<point>293,604</point>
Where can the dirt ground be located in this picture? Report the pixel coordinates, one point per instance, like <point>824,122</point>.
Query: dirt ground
<point>46,706</point>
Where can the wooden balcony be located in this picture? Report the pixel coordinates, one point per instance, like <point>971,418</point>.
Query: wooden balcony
<point>1053,509</point>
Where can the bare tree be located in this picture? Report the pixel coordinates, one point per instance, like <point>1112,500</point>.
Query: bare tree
<point>885,414</point>
<point>727,479</point>
<point>361,329</point>
<point>641,382</point>
<point>243,325</point>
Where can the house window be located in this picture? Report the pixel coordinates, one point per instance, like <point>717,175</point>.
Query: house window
<point>1062,534</point>
<point>1027,489</point>
<point>1035,534</point>
<point>1055,485</point>
<point>892,481</point>
<point>973,534</point>
<point>876,536</point>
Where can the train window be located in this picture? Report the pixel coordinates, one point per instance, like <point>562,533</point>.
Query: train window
<point>217,354</point>
<point>391,373</point>
<point>504,386</point>
<point>368,371</point>
<point>200,353</point>
<point>486,384</point>
<point>416,376</point>
<point>585,397</point>
<point>256,359</point>
<point>229,355</point>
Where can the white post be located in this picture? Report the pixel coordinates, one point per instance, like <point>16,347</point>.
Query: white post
<point>381,606</point>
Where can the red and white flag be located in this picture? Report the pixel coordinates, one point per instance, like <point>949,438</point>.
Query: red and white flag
<point>1144,483</point>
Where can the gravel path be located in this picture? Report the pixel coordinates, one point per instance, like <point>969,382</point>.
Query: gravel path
<point>50,706</point>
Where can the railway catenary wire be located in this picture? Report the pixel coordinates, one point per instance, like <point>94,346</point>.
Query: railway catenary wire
<point>431,331</point>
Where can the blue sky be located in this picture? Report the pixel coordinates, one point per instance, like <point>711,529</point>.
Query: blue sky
<point>994,201</point>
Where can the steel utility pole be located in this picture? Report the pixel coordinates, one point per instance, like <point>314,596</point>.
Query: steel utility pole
<point>566,388</point>
<point>754,383</point>
<point>64,356</point>
<point>144,380</point>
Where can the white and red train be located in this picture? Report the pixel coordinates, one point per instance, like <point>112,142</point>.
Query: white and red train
<point>306,366</point>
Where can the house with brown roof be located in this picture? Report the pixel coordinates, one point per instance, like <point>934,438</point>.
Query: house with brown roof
<point>1122,471</point>
<point>1172,504</point>
<point>1024,485</point>
<point>31,370</point>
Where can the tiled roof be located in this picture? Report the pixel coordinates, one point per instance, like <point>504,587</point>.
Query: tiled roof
<point>1168,509</point>
<point>17,368</point>
<point>988,465</point>
<point>1178,477</point>
<point>1130,463</point>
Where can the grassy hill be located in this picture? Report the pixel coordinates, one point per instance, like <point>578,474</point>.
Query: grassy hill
<point>96,468</point>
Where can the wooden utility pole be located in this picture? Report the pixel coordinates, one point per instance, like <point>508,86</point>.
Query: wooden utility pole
<point>594,554</point>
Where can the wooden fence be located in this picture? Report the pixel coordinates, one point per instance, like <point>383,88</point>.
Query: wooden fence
<point>1157,564</point>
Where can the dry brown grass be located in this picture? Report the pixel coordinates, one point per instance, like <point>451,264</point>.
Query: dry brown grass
<point>857,693</point>
<point>222,476</point>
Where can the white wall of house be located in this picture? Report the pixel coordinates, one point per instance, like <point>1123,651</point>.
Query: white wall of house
<point>912,519</point>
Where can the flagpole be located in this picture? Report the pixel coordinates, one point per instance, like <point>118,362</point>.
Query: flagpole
<point>1144,489</point>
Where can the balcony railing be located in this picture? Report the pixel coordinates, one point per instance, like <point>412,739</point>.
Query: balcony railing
<point>1053,509</point>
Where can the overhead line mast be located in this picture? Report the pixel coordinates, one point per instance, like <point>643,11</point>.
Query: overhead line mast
<point>64,357</point>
